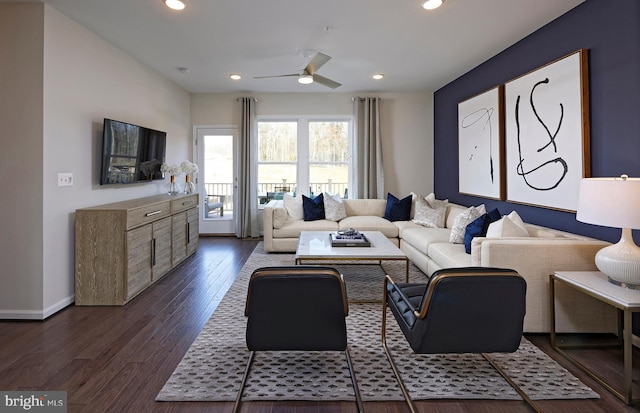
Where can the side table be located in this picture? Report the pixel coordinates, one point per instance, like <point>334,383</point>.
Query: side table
<point>627,301</point>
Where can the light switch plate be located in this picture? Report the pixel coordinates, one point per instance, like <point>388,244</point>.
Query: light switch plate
<point>65,179</point>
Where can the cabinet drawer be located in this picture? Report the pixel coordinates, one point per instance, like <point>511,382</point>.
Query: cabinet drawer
<point>148,213</point>
<point>183,203</point>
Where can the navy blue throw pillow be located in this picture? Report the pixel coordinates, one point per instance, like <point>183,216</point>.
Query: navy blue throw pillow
<point>398,209</point>
<point>479,227</point>
<point>313,208</point>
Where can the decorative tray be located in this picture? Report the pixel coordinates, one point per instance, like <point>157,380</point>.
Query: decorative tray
<point>349,240</point>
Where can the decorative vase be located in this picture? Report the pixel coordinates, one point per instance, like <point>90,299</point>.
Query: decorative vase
<point>173,188</point>
<point>189,187</point>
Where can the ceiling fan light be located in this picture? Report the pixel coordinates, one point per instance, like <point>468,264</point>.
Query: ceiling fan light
<point>175,4</point>
<point>432,4</point>
<point>305,79</point>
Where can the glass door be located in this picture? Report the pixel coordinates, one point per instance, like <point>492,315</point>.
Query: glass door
<point>217,182</point>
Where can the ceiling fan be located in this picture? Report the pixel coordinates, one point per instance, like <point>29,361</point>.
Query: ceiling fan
<point>308,74</point>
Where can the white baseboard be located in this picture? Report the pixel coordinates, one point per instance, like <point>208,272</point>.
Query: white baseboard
<point>65,302</point>
<point>37,314</point>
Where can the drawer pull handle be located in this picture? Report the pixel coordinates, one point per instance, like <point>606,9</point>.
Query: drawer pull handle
<point>187,203</point>
<point>150,214</point>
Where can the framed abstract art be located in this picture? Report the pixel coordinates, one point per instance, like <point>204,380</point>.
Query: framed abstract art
<point>481,145</point>
<point>547,133</point>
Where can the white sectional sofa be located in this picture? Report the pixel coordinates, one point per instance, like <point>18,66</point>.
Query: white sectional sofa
<point>535,257</point>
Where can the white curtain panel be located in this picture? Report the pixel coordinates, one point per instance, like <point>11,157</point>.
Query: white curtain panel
<point>369,174</point>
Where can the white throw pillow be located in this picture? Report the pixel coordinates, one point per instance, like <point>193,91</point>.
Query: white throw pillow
<point>436,203</point>
<point>279,216</point>
<point>333,207</point>
<point>293,207</point>
<point>462,220</point>
<point>427,216</point>
<point>414,198</point>
<point>515,218</point>
<point>507,227</point>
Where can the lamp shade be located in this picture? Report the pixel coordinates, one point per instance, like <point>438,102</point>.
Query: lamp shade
<point>614,202</point>
<point>611,202</point>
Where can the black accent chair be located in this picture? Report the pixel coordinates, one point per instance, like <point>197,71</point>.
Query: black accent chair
<point>297,308</point>
<point>459,310</point>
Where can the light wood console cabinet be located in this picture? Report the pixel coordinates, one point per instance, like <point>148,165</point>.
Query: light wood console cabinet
<point>124,247</point>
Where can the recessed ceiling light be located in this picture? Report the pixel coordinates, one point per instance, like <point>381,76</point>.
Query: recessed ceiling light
<point>305,79</point>
<point>184,70</point>
<point>378,76</point>
<point>432,4</point>
<point>235,76</point>
<point>175,4</point>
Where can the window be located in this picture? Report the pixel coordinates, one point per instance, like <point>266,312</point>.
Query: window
<point>303,155</point>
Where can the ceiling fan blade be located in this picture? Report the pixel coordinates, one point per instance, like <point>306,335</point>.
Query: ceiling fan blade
<point>264,77</point>
<point>326,82</point>
<point>316,63</point>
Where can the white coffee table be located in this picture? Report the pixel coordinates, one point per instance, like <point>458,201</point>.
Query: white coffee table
<point>316,246</point>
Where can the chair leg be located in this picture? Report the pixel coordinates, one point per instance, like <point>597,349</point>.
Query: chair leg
<point>513,384</point>
<point>236,406</point>
<point>356,390</point>
<point>405,392</point>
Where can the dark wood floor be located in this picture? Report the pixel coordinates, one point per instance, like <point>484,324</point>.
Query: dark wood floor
<point>116,359</point>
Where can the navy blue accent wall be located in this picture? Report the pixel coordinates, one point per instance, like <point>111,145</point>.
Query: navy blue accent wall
<point>610,30</point>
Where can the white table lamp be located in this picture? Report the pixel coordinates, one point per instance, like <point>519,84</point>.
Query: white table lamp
<point>614,202</point>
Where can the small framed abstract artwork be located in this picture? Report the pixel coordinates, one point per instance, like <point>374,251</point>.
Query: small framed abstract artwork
<point>481,145</point>
<point>547,133</point>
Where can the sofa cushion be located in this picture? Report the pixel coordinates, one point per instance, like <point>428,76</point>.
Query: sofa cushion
<point>461,222</point>
<point>421,237</point>
<point>293,207</point>
<point>542,233</point>
<point>369,223</point>
<point>453,210</point>
<point>428,216</point>
<point>398,209</point>
<point>449,255</point>
<point>313,208</point>
<point>371,207</point>
<point>279,215</point>
<point>509,226</point>
<point>333,207</point>
<point>436,203</point>
<point>403,225</point>
<point>291,229</point>
<point>479,227</point>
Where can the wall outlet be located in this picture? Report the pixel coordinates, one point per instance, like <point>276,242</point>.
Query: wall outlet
<point>65,179</point>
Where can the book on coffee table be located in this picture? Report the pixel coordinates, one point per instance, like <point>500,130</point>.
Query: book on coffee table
<point>351,240</point>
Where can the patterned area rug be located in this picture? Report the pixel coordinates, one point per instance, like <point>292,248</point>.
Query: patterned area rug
<point>212,368</point>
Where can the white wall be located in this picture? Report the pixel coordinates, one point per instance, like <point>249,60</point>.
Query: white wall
<point>21,92</point>
<point>407,127</point>
<point>82,79</point>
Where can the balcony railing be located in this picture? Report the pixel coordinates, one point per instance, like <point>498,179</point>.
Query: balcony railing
<point>274,190</point>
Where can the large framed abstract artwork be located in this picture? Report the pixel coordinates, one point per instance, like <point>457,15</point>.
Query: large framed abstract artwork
<point>547,133</point>
<point>481,145</point>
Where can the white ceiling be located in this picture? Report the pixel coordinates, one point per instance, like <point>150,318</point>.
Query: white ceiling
<point>417,50</point>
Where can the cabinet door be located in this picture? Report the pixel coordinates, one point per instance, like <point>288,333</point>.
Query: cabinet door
<point>179,237</point>
<point>161,244</point>
<point>138,260</point>
<point>193,231</point>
